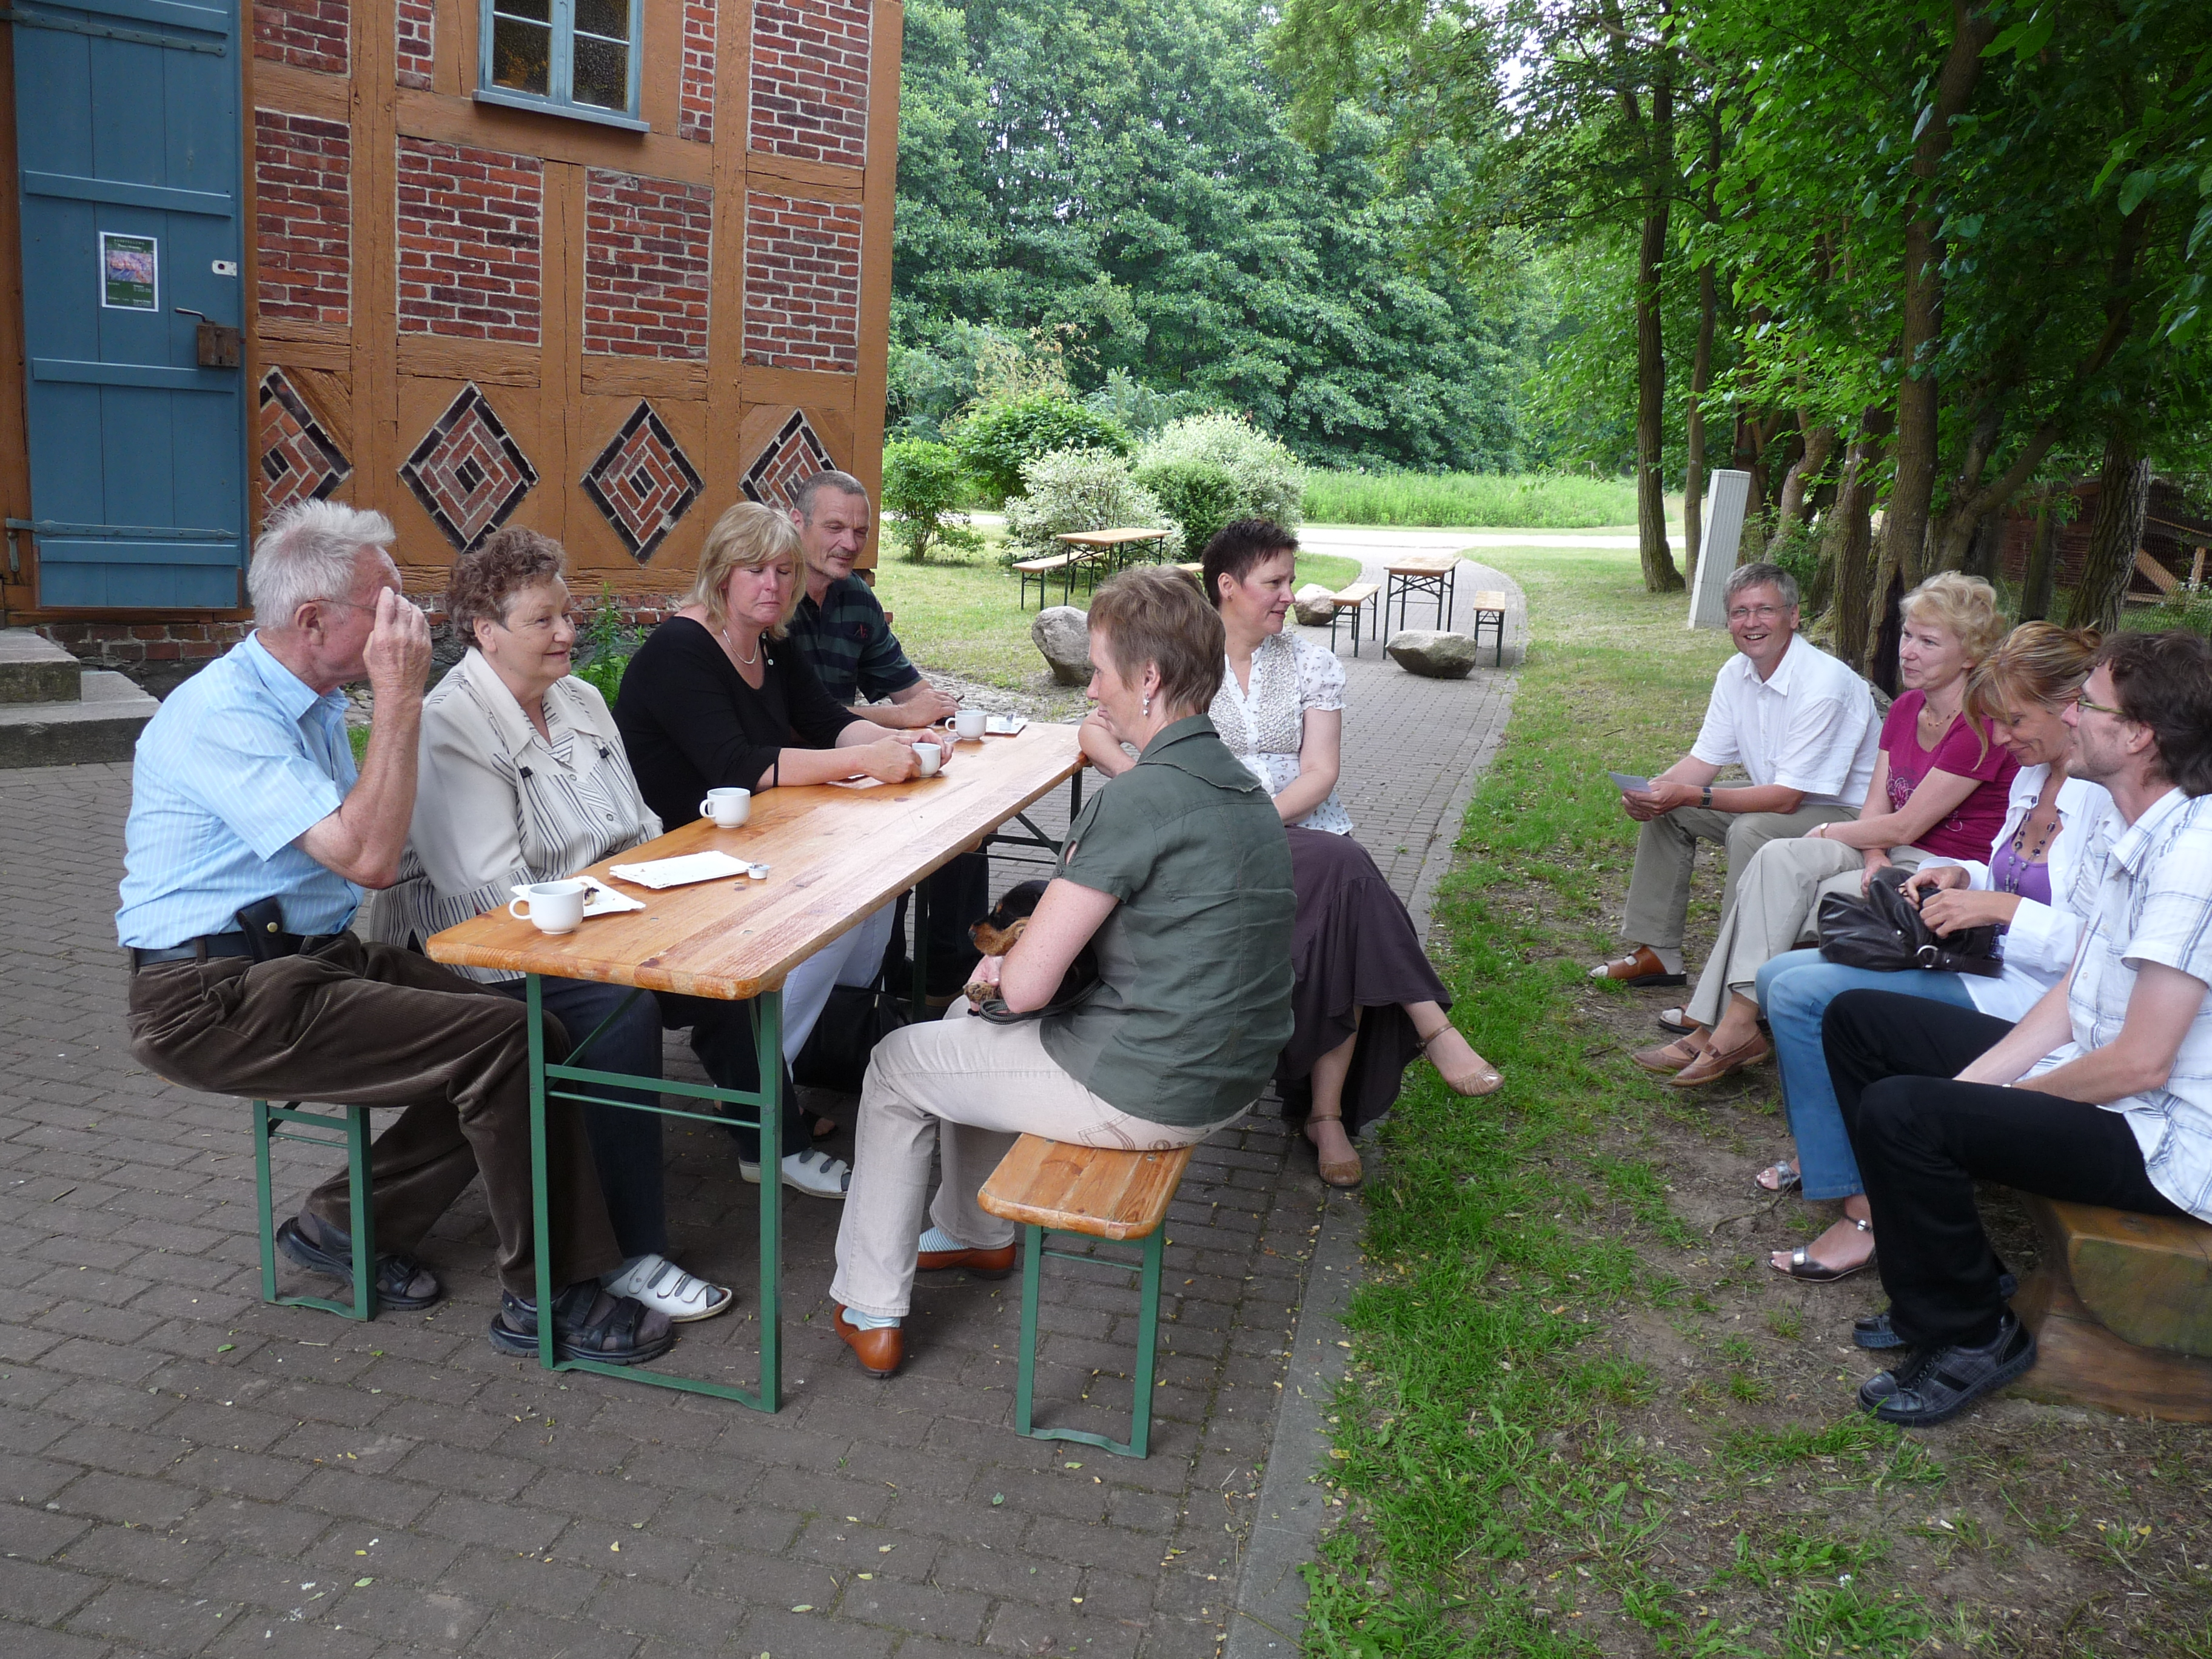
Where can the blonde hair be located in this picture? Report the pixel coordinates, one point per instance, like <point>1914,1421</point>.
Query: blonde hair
<point>2040,663</point>
<point>748,537</point>
<point>1966,606</point>
<point>1155,614</point>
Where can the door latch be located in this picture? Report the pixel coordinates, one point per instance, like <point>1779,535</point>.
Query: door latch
<point>220,345</point>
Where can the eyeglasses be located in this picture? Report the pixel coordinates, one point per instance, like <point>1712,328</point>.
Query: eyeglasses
<point>1757,612</point>
<point>2082,702</point>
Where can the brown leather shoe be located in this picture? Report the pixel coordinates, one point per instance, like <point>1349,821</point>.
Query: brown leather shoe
<point>1712,1065</point>
<point>1639,970</point>
<point>984,1264</point>
<point>880,1351</point>
<point>1673,1056</point>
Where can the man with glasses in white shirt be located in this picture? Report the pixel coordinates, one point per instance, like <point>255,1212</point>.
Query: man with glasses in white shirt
<point>1803,726</point>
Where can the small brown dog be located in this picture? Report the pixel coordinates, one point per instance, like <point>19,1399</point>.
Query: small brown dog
<point>1004,923</point>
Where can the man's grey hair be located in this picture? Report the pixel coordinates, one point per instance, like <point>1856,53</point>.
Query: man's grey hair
<point>1762,575</point>
<point>803,497</point>
<point>310,551</point>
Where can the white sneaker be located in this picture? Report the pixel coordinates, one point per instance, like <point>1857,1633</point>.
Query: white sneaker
<point>814,1173</point>
<point>665,1288</point>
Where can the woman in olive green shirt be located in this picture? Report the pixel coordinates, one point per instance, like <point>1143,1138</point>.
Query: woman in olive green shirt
<point>1177,874</point>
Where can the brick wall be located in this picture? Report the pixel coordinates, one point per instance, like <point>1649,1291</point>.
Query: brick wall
<point>645,249</point>
<point>303,216</point>
<point>809,80</point>
<point>417,32</point>
<point>471,223</point>
<point>802,284</point>
<point>308,34</point>
<point>694,110</point>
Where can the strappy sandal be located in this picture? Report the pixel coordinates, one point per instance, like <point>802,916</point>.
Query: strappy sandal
<point>1782,1177</point>
<point>1343,1173</point>
<point>1802,1265</point>
<point>1486,1081</point>
<point>587,1324</point>
<point>403,1284</point>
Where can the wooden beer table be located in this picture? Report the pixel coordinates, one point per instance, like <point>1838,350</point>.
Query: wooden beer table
<point>837,854</point>
<point>1434,575</point>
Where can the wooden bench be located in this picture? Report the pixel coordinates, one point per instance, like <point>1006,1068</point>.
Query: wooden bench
<point>1490,613</point>
<point>1354,599</point>
<point>1041,571</point>
<point>1053,1187</point>
<point>2121,1306</point>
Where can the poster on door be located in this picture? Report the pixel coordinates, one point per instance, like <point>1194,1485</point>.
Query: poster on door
<point>129,272</point>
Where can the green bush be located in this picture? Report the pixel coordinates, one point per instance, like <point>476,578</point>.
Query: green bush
<point>1264,479</point>
<point>1081,489</point>
<point>605,646</point>
<point>995,442</point>
<point>924,485</point>
<point>1200,497</point>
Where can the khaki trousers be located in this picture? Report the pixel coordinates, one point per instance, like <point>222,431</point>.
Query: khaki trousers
<point>351,1023</point>
<point>1778,908</point>
<point>975,1087</point>
<point>1666,846</point>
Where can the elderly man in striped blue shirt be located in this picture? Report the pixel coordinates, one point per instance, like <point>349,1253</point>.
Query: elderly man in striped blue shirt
<point>251,837</point>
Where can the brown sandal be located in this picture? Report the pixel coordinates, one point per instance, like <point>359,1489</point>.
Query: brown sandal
<point>1486,1081</point>
<point>1343,1173</point>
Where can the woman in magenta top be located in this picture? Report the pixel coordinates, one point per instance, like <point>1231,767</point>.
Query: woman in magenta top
<point>1940,789</point>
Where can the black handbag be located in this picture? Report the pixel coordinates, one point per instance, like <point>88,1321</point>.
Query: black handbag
<point>1882,932</point>
<point>853,1021</point>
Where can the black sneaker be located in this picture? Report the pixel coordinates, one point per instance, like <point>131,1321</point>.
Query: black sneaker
<point>1937,1384</point>
<point>1874,1330</point>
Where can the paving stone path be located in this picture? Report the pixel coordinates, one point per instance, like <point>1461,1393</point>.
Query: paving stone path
<point>184,1470</point>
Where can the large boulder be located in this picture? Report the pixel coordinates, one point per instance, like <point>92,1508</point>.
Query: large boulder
<point>1312,604</point>
<point>1062,634</point>
<point>1432,655</point>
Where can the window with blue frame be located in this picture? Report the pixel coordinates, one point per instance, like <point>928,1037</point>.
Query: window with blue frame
<point>577,57</point>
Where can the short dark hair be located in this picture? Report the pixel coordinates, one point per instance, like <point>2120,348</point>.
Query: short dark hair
<point>810,489</point>
<point>1237,547</point>
<point>2164,681</point>
<point>1152,614</point>
<point>483,582</point>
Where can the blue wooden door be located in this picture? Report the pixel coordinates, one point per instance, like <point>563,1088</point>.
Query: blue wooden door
<point>127,125</point>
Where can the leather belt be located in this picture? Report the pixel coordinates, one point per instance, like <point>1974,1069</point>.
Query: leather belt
<point>194,950</point>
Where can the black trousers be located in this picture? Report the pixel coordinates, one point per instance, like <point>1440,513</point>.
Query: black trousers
<point>959,894</point>
<point>1922,1140</point>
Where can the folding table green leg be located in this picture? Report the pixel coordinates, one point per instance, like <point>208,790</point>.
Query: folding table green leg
<point>1141,1379</point>
<point>287,1123</point>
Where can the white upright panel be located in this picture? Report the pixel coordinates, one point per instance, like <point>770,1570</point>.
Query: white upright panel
<point>1725,497</point>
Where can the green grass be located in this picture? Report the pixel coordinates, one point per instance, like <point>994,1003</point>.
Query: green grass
<point>1534,501</point>
<point>963,617</point>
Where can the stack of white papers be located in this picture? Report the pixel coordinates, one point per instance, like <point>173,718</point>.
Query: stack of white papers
<point>657,873</point>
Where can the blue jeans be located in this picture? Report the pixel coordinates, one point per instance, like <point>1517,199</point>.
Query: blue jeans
<point>1793,991</point>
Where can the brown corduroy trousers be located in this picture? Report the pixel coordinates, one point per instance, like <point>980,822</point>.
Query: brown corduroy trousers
<point>351,1023</point>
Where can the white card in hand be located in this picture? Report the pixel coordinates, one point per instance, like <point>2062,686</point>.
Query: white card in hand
<point>1628,783</point>
<point>680,872</point>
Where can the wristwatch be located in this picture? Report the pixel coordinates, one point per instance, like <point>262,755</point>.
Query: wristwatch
<point>1709,795</point>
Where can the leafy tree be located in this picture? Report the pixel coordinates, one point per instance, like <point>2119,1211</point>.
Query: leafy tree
<point>924,485</point>
<point>996,442</point>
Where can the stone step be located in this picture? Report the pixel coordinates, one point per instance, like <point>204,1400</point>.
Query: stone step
<point>101,723</point>
<point>33,668</point>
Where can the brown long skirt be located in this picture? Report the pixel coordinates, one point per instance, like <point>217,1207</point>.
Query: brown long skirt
<point>1354,949</point>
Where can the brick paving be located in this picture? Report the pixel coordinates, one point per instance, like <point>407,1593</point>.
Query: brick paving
<point>184,1470</point>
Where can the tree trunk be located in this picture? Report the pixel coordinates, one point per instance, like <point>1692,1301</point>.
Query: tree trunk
<point>2116,534</point>
<point>1660,575</point>
<point>2042,561</point>
<point>1796,484</point>
<point>1701,380</point>
<point>1905,531</point>
<point>1986,551</point>
<point>1847,543</point>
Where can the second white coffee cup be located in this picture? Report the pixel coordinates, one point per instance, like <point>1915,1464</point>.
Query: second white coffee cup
<point>968,724</point>
<point>929,756</point>
<point>556,906</point>
<point>728,807</point>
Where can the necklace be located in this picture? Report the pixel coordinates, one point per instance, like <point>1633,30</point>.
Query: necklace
<point>733,650</point>
<point>2023,855</point>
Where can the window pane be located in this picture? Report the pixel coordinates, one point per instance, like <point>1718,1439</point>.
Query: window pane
<point>538,11</point>
<point>601,74</point>
<point>610,18</point>
<point>521,56</point>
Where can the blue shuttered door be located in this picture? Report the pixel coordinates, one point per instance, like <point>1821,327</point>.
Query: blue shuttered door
<point>128,129</point>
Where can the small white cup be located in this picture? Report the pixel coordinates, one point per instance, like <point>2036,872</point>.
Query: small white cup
<point>929,756</point>
<point>968,724</point>
<point>728,807</point>
<point>556,906</point>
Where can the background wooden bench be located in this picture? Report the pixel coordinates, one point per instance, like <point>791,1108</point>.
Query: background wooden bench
<point>1053,1187</point>
<point>1041,571</point>
<point>2121,1306</point>
<point>1490,613</point>
<point>1353,600</point>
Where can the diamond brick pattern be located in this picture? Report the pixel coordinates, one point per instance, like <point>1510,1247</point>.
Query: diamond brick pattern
<point>299,461</point>
<point>643,482</point>
<point>467,472</point>
<point>795,453</point>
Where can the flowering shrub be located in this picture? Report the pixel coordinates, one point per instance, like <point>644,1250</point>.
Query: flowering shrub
<point>1081,489</point>
<point>1222,463</point>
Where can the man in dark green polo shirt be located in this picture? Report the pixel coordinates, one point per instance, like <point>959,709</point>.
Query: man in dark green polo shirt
<point>841,628</point>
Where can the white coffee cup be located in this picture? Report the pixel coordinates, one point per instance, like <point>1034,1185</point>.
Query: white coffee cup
<point>968,724</point>
<point>556,906</point>
<point>929,756</point>
<point>728,807</point>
